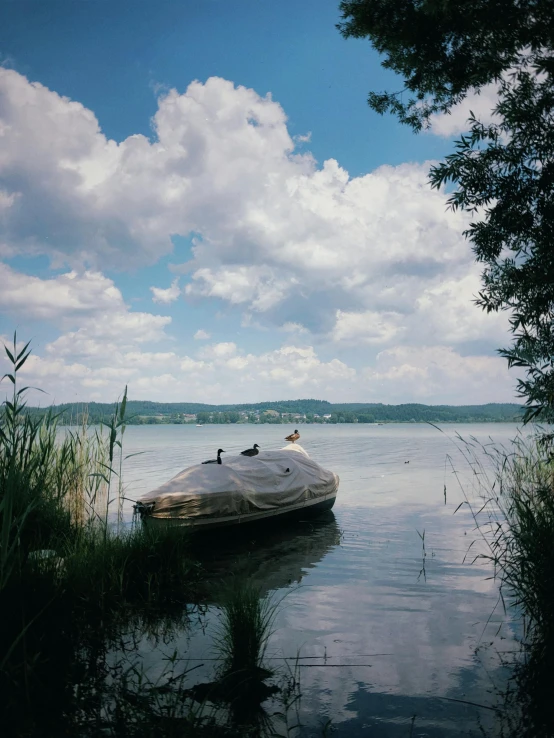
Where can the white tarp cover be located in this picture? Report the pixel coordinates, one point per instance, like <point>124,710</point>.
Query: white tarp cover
<point>242,485</point>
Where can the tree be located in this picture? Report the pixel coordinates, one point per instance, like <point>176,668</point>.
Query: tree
<point>503,172</point>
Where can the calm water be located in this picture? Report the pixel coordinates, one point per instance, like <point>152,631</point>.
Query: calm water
<point>385,628</point>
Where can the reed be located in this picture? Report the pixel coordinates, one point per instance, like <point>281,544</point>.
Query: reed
<point>110,570</point>
<point>246,626</point>
<point>514,516</point>
<point>27,511</point>
<point>60,537</point>
<point>523,544</point>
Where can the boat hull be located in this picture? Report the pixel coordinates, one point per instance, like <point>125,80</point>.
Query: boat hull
<point>291,512</point>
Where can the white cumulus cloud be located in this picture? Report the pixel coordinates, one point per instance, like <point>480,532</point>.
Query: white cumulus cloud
<point>438,375</point>
<point>375,261</point>
<point>432,374</point>
<point>276,234</point>
<point>481,103</point>
<point>168,295</point>
<point>369,327</point>
<point>66,296</point>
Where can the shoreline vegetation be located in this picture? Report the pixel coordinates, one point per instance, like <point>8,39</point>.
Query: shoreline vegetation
<point>80,589</point>
<point>511,501</point>
<point>286,412</point>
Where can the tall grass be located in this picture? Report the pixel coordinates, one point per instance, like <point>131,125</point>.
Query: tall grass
<point>514,516</point>
<point>523,545</point>
<point>510,495</point>
<point>58,490</point>
<point>65,564</point>
<point>49,483</point>
<point>30,509</point>
<point>246,626</point>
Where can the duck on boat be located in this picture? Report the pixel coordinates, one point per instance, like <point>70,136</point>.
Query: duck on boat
<point>284,483</point>
<point>251,451</point>
<point>218,460</point>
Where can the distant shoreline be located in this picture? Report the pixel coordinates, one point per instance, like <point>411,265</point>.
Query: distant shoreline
<point>303,423</point>
<point>286,412</point>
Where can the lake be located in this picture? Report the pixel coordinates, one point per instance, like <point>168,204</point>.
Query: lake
<point>395,632</point>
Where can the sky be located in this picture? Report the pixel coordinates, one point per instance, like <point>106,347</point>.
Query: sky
<point>196,201</point>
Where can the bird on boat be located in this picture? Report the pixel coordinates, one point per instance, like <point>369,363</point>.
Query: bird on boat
<point>293,437</point>
<point>218,460</point>
<point>251,451</point>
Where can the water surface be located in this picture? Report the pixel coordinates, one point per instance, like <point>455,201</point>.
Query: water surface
<point>389,618</point>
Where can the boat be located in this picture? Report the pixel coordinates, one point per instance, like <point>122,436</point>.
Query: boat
<point>244,489</point>
<point>199,426</point>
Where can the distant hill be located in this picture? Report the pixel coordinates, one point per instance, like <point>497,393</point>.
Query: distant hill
<point>141,412</point>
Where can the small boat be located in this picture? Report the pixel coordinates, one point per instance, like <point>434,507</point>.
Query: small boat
<point>199,426</point>
<point>283,484</point>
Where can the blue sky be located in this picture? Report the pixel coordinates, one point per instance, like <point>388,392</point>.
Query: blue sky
<point>236,223</point>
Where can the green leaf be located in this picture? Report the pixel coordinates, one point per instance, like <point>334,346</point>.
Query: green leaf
<point>9,353</point>
<point>23,350</point>
<point>123,405</point>
<point>21,362</point>
<point>37,389</point>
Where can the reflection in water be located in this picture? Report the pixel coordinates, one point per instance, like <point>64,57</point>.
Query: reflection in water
<point>369,633</point>
<point>377,645</point>
<point>271,556</point>
<point>95,678</point>
<point>141,678</point>
<point>263,559</point>
<point>401,716</point>
<point>527,710</point>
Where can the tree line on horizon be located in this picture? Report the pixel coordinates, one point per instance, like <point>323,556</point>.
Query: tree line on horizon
<point>141,412</point>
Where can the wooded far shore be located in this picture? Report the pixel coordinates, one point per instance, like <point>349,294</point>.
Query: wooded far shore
<point>141,412</point>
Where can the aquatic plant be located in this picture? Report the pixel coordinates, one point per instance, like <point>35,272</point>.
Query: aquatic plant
<point>27,509</point>
<point>246,626</point>
<point>135,566</point>
<point>65,563</point>
<point>510,495</point>
<point>57,492</point>
<point>523,546</point>
<point>513,509</point>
